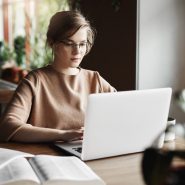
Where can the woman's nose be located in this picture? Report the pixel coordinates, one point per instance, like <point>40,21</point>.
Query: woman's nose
<point>76,49</point>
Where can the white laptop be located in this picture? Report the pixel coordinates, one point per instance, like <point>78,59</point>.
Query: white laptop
<point>121,123</point>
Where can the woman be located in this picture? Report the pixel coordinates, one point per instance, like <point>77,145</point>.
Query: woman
<point>50,102</point>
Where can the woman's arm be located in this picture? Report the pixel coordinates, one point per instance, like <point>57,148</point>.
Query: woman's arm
<point>14,125</point>
<point>30,133</point>
<point>17,111</point>
<point>104,85</point>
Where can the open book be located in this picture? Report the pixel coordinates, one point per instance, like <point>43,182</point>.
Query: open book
<point>18,168</point>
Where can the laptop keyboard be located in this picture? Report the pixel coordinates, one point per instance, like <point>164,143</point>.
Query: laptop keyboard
<point>78,149</point>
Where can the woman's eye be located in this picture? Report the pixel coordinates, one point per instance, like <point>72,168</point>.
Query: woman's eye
<point>82,44</point>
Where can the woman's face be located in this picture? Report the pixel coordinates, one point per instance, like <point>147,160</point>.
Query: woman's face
<point>70,52</point>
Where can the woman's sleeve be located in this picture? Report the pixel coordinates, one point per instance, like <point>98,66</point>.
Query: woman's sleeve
<point>104,85</point>
<point>18,110</point>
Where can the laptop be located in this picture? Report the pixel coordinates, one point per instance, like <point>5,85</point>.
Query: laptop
<point>121,123</point>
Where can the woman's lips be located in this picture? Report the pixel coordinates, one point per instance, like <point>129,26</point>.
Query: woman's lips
<point>75,59</point>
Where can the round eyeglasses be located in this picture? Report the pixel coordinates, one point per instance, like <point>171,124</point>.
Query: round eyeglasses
<point>72,45</point>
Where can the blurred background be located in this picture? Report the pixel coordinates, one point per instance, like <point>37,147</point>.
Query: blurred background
<point>140,43</point>
<point>23,27</point>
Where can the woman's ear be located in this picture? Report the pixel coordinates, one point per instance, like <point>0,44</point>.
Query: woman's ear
<point>55,48</point>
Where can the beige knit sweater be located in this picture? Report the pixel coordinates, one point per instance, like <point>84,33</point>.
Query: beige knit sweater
<point>50,99</point>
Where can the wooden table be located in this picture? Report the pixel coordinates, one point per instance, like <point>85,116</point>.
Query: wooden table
<point>121,170</point>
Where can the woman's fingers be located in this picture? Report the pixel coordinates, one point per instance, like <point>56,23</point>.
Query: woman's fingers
<point>69,135</point>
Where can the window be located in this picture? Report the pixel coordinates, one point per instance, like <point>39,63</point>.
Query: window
<point>27,21</point>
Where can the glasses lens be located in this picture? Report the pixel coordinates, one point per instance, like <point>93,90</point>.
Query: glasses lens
<point>72,45</point>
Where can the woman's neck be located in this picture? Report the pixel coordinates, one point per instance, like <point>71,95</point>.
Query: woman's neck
<point>65,70</point>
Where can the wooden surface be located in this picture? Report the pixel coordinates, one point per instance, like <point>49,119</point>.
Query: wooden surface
<point>118,170</point>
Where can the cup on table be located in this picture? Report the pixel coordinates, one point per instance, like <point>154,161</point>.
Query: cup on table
<point>170,135</point>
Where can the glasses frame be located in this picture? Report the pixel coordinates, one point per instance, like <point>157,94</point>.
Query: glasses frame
<point>72,45</point>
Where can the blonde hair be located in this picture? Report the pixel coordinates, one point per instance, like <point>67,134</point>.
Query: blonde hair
<point>65,24</point>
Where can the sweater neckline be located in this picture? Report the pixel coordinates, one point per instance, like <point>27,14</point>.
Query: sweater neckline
<point>52,68</point>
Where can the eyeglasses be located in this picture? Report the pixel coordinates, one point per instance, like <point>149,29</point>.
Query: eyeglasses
<point>71,45</point>
<point>157,165</point>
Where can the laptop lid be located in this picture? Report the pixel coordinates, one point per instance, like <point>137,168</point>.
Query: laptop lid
<point>121,122</point>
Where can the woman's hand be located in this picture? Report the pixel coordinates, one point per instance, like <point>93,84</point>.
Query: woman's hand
<point>72,135</point>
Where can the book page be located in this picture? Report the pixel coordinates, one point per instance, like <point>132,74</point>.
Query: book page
<point>17,172</point>
<point>8,155</point>
<point>64,169</point>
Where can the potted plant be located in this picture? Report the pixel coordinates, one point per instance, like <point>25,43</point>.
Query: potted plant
<point>12,61</point>
<point>6,54</point>
<point>19,48</point>
<point>6,57</point>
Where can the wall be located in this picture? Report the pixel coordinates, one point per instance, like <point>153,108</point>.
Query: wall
<point>114,51</point>
<point>161,47</point>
